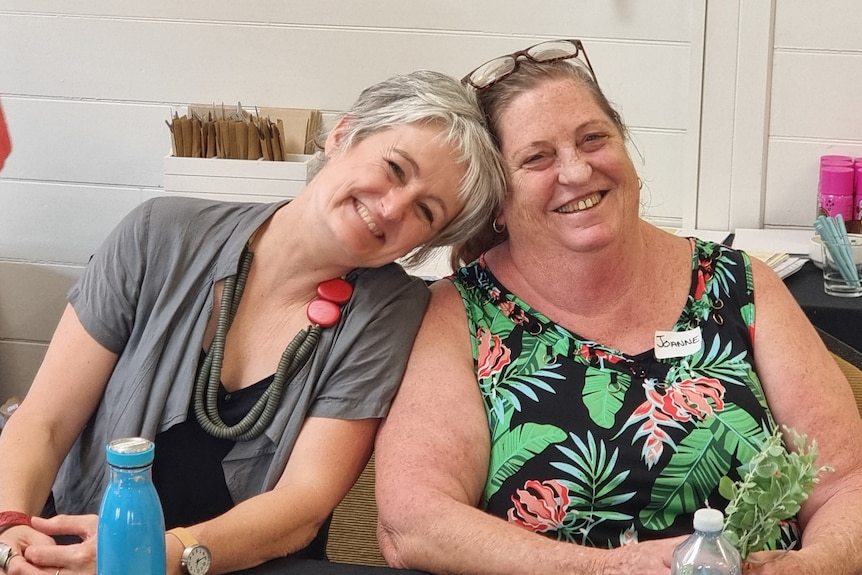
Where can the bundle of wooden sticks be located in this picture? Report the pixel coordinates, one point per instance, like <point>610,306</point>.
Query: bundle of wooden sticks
<point>221,132</point>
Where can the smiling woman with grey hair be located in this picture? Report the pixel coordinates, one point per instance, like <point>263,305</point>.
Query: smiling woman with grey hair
<point>258,345</point>
<point>581,385</point>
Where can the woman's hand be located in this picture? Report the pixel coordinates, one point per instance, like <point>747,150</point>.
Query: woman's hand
<point>779,563</point>
<point>646,558</point>
<point>20,538</point>
<point>73,559</point>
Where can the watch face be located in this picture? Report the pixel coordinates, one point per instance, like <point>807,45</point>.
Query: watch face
<point>197,560</point>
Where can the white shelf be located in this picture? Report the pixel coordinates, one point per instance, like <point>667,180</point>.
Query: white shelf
<point>236,180</point>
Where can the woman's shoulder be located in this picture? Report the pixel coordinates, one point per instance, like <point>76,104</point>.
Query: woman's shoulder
<point>197,212</point>
<point>390,275</point>
<point>388,286</point>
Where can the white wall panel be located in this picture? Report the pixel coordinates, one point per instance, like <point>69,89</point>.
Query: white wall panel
<point>325,68</point>
<point>54,222</point>
<point>652,20</point>
<point>815,104</point>
<point>832,25</point>
<point>717,117</point>
<point>86,141</point>
<point>817,95</point>
<point>662,170</point>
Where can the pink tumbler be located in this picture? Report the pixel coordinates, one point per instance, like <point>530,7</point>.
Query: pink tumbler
<point>835,194</point>
<point>857,191</point>
<point>836,160</point>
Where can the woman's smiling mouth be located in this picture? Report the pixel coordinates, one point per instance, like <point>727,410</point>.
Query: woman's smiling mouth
<point>369,221</point>
<point>581,205</point>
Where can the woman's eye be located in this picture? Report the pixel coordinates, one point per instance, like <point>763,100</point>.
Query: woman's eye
<point>396,169</point>
<point>537,161</point>
<point>593,141</point>
<point>427,213</point>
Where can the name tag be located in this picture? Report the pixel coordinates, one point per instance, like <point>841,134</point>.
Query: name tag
<point>677,343</point>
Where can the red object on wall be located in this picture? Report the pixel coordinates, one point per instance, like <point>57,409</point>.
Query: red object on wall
<point>5,143</point>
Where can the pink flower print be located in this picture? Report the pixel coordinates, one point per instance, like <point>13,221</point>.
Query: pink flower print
<point>653,447</point>
<point>680,401</point>
<point>493,355</point>
<point>519,318</point>
<point>704,274</point>
<point>511,311</point>
<point>587,352</point>
<point>494,293</point>
<point>540,506</point>
<point>629,536</point>
<point>608,356</point>
<point>688,398</point>
<point>653,419</point>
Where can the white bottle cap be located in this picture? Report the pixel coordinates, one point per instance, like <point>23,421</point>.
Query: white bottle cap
<point>708,520</point>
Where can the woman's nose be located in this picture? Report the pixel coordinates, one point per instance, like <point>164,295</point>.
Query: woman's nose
<point>394,203</point>
<point>573,169</point>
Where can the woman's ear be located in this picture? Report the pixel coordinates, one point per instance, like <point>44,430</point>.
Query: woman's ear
<point>336,136</point>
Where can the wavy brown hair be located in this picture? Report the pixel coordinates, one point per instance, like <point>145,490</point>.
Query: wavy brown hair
<point>494,101</point>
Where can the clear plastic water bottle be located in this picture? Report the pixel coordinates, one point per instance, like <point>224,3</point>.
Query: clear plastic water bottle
<point>131,532</point>
<point>706,551</point>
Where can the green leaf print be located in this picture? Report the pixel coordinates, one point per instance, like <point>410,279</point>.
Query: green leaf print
<point>743,434</point>
<point>592,479</point>
<point>503,396</point>
<point>512,449</point>
<point>535,356</point>
<point>699,463</point>
<point>603,395</point>
<point>749,274</point>
<point>711,361</point>
<point>747,313</point>
<point>722,275</point>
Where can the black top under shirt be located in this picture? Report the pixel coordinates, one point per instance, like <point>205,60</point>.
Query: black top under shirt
<point>187,469</point>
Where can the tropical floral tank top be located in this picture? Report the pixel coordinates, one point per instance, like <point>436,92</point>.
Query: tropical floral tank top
<point>597,447</point>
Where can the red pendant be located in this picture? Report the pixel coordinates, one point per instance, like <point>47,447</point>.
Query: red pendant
<point>322,312</point>
<point>335,290</point>
<point>325,309</point>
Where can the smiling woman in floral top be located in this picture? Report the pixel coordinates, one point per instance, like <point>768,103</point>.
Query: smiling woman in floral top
<point>578,390</point>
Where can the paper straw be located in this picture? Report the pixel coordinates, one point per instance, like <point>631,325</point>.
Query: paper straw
<point>831,233</point>
<point>834,235</point>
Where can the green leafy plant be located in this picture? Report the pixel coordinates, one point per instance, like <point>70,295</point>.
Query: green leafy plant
<point>776,483</point>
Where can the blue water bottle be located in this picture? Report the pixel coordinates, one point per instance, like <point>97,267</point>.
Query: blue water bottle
<point>131,532</point>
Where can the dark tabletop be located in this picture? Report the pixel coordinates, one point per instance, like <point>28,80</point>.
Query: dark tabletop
<point>290,566</point>
<point>840,317</point>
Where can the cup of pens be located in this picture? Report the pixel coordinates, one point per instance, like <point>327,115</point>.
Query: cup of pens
<point>842,272</point>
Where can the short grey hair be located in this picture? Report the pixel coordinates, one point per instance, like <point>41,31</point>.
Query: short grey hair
<point>427,97</point>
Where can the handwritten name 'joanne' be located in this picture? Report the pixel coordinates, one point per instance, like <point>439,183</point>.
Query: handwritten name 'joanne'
<point>682,342</point>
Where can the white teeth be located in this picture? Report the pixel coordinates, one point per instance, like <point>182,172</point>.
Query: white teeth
<point>580,205</point>
<point>366,217</point>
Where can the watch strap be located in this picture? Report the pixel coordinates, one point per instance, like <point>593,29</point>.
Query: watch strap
<point>184,535</point>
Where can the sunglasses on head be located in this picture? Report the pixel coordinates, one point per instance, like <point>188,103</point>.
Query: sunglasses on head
<point>502,67</point>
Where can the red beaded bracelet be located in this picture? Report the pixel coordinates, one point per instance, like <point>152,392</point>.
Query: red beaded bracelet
<point>13,518</point>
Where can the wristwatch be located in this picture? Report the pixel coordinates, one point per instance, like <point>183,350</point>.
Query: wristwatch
<point>196,559</point>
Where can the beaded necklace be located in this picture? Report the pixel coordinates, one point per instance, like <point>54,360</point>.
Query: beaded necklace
<point>323,311</point>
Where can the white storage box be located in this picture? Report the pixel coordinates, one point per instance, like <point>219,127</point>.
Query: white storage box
<point>236,180</point>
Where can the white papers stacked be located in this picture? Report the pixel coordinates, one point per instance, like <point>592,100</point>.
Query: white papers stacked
<point>784,250</point>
